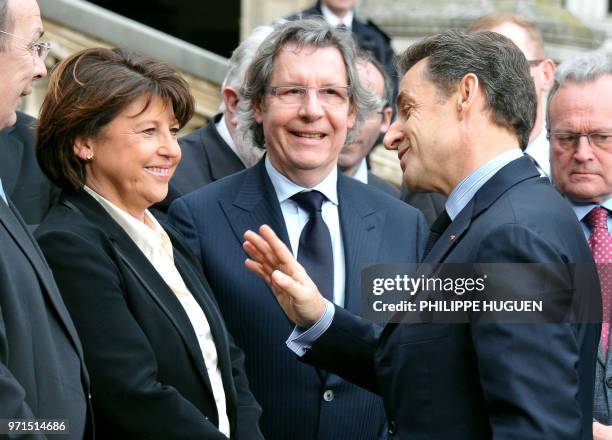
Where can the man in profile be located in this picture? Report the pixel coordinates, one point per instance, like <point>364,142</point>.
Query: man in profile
<point>42,374</point>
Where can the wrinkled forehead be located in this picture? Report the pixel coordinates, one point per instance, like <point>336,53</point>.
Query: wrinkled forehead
<point>25,18</point>
<point>592,100</point>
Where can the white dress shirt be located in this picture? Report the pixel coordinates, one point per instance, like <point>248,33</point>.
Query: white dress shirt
<point>155,244</point>
<point>296,218</point>
<point>539,150</point>
<point>334,20</point>
<point>362,172</point>
<point>227,137</point>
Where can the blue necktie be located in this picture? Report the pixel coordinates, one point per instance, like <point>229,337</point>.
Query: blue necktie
<point>315,249</point>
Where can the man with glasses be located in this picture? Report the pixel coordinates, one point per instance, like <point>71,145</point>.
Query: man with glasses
<point>526,35</point>
<point>579,120</point>
<point>42,373</point>
<point>300,99</point>
<point>352,159</point>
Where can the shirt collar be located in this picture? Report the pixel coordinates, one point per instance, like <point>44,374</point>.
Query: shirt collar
<point>285,188</point>
<point>334,20</point>
<point>148,236</point>
<point>539,149</point>
<point>223,131</point>
<point>362,172</point>
<point>582,210</point>
<point>461,195</point>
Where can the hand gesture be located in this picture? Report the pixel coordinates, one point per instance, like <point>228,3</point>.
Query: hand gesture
<point>276,265</point>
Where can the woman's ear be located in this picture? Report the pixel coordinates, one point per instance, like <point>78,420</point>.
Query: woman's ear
<point>83,149</point>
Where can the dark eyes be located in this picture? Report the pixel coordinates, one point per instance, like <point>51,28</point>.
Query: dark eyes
<point>152,130</point>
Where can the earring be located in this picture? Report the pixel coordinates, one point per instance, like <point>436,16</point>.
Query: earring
<point>89,156</point>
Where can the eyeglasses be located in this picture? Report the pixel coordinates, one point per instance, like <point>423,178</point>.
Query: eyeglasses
<point>534,63</point>
<point>569,141</point>
<point>330,96</point>
<point>38,49</point>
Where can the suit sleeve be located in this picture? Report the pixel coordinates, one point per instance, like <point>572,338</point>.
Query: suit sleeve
<point>347,349</point>
<point>528,372</point>
<point>122,364</point>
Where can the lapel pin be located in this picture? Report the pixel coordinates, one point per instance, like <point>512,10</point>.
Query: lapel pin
<point>452,237</point>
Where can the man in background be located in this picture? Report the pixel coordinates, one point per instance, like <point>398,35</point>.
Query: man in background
<point>526,35</point>
<point>215,151</point>
<point>352,160</point>
<point>579,119</point>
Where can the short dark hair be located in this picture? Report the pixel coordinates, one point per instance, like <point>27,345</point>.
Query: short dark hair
<point>87,91</point>
<point>6,23</point>
<point>499,65</point>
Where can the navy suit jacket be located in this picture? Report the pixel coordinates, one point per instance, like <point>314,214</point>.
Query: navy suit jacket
<point>481,381</point>
<point>375,228</point>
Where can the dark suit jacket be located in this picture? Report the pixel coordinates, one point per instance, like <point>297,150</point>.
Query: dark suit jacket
<point>148,376</point>
<point>206,157</point>
<point>375,228</point>
<point>382,185</point>
<point>42,372</point>
<point>481,381</point>
<point>431,204</point>
<point>369,38</point>
<point>22,178</point>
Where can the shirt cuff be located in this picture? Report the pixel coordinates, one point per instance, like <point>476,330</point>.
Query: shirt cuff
<point>301,339</point>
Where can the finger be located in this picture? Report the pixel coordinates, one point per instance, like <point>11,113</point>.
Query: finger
<point>262,247</point>
<point>281,252</point>
<point>254,253</point>
<point>258,269</point>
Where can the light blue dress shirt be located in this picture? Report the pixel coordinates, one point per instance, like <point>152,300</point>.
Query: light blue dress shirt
<point>302,339</point>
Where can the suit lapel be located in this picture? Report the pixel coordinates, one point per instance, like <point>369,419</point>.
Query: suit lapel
<point>361,226</point>
<point>256,204</point>
<point>140,267</point>
<point>15,226</point>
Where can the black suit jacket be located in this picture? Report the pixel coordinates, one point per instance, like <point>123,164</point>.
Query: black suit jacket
<point>369,38</point>
<point>148,376</point>
<point>481,381</point>
<point>22,178</point>
<point>206,157</point>
<point>42,372</point>
<point>375,228</point>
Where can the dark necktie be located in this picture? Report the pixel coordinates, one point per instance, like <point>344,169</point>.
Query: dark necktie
<point>436,230</point>
<point>315,249</point>
<point>600,242</point>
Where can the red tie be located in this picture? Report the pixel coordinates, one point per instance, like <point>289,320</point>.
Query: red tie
<point>600,243</point>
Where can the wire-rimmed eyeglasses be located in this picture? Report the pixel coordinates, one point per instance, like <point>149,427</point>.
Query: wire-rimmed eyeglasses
<point>38,49</point>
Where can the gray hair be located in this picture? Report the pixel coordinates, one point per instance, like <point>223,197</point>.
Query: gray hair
<point>312,33</point>
<point>6,23</point>
<point>241,59</point>
<point>387,98</point>
<point>581,69</point>
<point>499,65</point>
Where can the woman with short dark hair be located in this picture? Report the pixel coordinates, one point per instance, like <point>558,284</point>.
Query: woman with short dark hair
<point>162,364</point>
